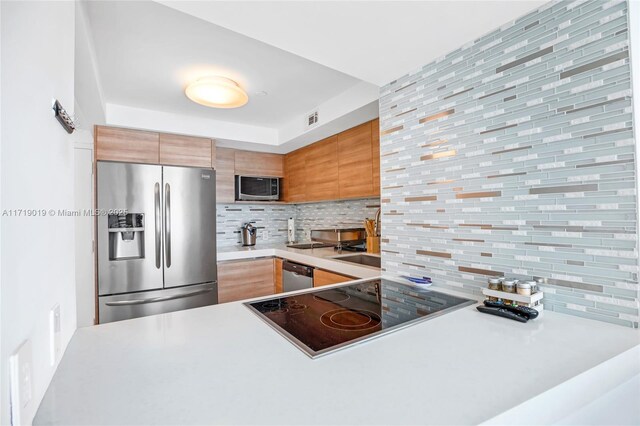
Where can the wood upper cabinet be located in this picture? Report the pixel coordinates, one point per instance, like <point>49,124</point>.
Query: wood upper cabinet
<point>178,150</point>
<point>138,146</point>
<point>294,184</point>
<point>245,279</point>
<point>375,150</point>
<point>250,163</point>
<point>321,164</point>
<point>133,146</point>
<point>355,156</point>
<point>277,274</point>
<point>225,175</point>
<point>321,278</point>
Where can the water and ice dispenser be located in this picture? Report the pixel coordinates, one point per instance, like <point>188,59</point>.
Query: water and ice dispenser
<point>126,236</point>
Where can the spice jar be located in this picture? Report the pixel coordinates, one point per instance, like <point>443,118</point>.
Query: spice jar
<point>509,285</point>
<point>524,288</point>
<point>539,282</point>
<point>494,283</point>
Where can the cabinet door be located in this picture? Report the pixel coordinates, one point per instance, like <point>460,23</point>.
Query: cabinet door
<point>249,163</point>
<point>245,279</point>
<point>178,150</point>
<point>355,174</point>
<point>225,184</point>
<point>321,278</point>
<point>277,273</point>
<point>126,145</point>
<point>375,150</point>
<point>322,170</point>
<point>295,176</point>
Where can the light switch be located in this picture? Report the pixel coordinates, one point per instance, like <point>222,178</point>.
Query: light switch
<point>21,384</point>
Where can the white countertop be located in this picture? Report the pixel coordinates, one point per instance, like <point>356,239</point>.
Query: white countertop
<point>223,365</point>
<point>319,258</point>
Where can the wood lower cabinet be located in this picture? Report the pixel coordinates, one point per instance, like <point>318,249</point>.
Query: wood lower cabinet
<point>355,159</point>
<point>178,150</point>
<point>126,145</point>
<point>321,277</point>
<point>277,273</point>
<point>321,170</point>
<point>225,175</point>
<point>244,279</point>
<point>249,163</point>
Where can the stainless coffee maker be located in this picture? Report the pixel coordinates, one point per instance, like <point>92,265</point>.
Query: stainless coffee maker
<point>248,234</point>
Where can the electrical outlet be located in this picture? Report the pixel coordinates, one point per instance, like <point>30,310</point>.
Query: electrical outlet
<point>307,234</point>
<point>21,384</point>
<point>265,234</point>
<point>54,334</point>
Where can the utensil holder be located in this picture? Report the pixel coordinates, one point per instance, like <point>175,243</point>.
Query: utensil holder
<point>373,244</point>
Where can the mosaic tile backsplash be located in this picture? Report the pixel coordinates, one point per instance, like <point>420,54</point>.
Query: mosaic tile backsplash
<point>273,219</point>
<point>514,155</point>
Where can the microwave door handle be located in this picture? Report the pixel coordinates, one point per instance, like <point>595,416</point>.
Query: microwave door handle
<point>167,224</point>
<point>158,225</point>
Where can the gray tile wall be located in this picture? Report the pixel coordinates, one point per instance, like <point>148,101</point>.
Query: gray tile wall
<point>517,158</point>
<point>273,218</point>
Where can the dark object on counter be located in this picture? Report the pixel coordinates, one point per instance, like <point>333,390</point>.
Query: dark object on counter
<point>502,312</point>
<point>530,313</point>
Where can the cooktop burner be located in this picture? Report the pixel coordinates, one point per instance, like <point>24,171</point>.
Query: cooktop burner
<point>322,321</point>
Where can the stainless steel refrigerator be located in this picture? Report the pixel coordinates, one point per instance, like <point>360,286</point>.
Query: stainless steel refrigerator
<point>156,239</point>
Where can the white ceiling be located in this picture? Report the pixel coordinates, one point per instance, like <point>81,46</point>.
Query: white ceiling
<point>146,53</point>
<point>376,41</point>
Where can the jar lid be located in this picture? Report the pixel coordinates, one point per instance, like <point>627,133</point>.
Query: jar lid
<point>531,283</point>
<point>509,281</point>
<point>494,280</point>
<point>524,285</point>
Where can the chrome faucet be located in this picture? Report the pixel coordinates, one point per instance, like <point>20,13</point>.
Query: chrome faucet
<point>377,223</point>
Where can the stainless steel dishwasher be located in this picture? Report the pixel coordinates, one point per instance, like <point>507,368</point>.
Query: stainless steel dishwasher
<point>296,276</point>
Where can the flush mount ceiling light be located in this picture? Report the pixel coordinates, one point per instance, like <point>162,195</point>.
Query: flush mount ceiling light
<point>216,92</point>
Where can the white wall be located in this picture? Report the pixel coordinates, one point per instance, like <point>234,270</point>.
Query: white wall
<point>37,253</point>
<point>89,109</point>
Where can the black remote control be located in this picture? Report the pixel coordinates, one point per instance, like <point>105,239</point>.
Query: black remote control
<point>530,313</point>
<point>502,312</point>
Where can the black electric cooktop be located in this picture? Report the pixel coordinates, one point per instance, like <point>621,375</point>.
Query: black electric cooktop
<point>322,321</point>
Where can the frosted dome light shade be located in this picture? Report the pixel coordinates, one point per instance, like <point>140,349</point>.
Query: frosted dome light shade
<point>216,92</point>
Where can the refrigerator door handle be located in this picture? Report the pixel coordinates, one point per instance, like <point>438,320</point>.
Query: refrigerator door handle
<point>158,226</point>
<point>167,225</point>
<point>158,299</point>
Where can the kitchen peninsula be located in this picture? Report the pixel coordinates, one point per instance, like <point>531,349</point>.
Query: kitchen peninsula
<point>223,365</point>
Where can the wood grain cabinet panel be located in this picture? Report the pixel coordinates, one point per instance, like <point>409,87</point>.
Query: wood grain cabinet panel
<point>321,164</point>
<point>225,175</point>
<point>294,183</point>
<point>375,150</point>
<point>321,277</point>
<point>355,172</point>
<point>127,145</point>
<point>250,163</point>
<point>277,274</point>
<point>178,150</point>
<point>245,279</point>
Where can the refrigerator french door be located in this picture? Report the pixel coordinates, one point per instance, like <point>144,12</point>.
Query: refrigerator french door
<point>156,239</point>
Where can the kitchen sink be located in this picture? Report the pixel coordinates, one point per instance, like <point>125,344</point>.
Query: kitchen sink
<point>360,259</point>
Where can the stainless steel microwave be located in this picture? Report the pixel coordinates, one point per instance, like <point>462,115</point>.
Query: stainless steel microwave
<point>251,188</point>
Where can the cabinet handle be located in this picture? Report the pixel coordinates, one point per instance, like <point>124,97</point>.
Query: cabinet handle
<point>167,225</point>
<point>158,225</point>
<point>158,299</point>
